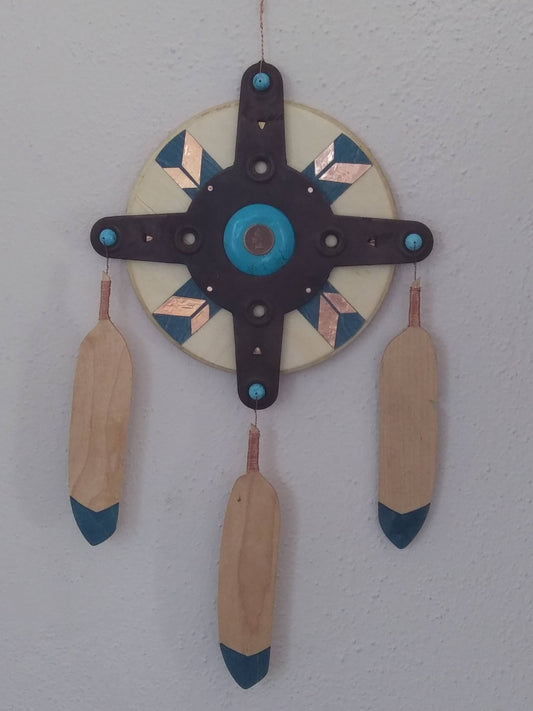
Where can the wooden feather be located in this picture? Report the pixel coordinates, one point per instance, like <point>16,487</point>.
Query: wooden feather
<point>408,428</point>
<point>99,424</point>
<point>247,572</point>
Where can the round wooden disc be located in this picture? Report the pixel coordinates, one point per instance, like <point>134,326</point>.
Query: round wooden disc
<point>339,164</point>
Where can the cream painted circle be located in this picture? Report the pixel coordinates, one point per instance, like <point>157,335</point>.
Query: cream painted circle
<point>308,133</point>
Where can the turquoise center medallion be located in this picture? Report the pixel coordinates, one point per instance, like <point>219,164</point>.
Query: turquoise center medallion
<point>259,239</point>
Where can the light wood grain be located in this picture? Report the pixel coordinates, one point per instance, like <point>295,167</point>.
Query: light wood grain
<point>408,417</point>
<point>100,414</point>
<point>247,572</point>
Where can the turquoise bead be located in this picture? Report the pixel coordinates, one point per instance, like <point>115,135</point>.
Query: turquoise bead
<point>413,242</point>
<point>257,391</point>
<point>261,81</point>
<point>108,237</point>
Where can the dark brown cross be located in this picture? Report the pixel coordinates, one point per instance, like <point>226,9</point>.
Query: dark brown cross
<point>322,240</point>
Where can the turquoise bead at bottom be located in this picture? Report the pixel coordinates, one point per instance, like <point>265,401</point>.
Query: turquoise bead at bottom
<point>257,391</point>
<point>413,242</point>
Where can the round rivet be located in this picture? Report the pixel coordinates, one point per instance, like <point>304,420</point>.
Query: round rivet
<point>310,190</point>
<point>188,239</point>
<point>259,310</point>
<point>260,167</point>
<point>261,81</point>
<point>257,391</point>
<point>413,242</point>
<point>331,241</point>
<point>108,237</point>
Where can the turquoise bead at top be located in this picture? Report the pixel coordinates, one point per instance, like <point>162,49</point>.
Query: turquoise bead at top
<point>413,242</point>
<point>108,237</point>
<point>257,391</point>
<point>261,81</point>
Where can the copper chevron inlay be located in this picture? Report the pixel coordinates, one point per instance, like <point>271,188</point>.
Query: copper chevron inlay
<point>324,159</point>
<point>179,177</point>
<point>181,306</point>
<point>328,320</point>
<point>192,157</point>
<point>339,302</point>
<point>200,319</point>
<point>345,172</point>
<point>332,305</point>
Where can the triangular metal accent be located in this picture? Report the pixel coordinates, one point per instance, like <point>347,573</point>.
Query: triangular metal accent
<point>261,124</point>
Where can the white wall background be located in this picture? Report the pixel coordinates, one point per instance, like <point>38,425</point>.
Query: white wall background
<point>442,93</point>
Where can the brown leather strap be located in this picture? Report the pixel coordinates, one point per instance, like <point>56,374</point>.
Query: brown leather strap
<point>252,462</point>
<point>414,304</point>
<point>105,292</point>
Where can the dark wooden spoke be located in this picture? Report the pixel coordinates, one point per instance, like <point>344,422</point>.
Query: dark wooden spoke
<point>354,241</point>
<point>150,238</point>
<point>258,355</point>
<point>260,148</point>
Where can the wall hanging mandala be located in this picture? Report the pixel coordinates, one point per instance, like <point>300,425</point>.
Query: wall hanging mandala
<point>261,238</point>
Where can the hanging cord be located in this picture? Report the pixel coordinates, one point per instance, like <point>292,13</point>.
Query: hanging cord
<point>262,33</point>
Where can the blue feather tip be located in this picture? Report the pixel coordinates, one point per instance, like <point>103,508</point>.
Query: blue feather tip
<point>401,528</point>
<point>247,670</point>
<point>96,526</point>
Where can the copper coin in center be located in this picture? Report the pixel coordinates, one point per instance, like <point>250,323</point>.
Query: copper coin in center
<point>259,239</point>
